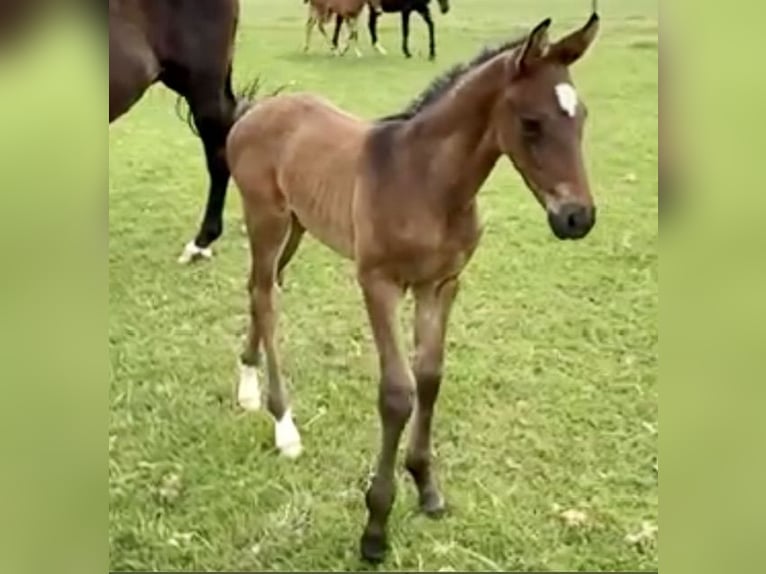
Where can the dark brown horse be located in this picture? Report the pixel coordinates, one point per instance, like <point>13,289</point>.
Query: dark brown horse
<point>398,197</point>
<point>405,8</point>
<point>188,46</point>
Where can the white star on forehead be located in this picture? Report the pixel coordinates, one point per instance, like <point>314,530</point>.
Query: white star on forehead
<point>567,97</point>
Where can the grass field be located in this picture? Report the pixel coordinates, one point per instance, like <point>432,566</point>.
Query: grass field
<point>550,401</point>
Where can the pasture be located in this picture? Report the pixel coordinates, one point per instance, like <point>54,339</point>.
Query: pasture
<point>546,426</point>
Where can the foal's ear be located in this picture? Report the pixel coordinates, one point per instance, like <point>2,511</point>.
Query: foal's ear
<point>535,46</point>
<point>572,47</point>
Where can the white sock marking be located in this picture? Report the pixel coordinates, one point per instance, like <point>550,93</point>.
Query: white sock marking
<point>191,252</point>
<point>286,436</point>
<point>249,391</point>
<point>567,97</point>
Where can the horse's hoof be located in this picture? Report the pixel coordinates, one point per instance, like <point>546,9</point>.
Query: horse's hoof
<point>373,548</point>
<point>248,391</point>
<point>192,253</point>
<point>380,49</point>
<point>433,506</point>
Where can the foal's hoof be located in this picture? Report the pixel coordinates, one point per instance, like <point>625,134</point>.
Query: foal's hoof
<point>373,548</point>
<point>432,505</point>
<point>248,390</point>
<point>380,49</point>
<point>287,437</point>
<point>191,253</point>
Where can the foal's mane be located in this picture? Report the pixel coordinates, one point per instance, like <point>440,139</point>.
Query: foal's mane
<point>444,83</point>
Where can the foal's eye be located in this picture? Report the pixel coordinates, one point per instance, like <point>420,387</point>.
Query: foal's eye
<point>531,128</point>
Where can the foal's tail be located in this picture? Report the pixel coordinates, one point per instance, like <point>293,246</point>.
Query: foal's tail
<point>248,95</point>
<point>245,97</point>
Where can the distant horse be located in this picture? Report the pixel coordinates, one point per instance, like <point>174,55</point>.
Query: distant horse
<point>405,8</point>
<point>398,197</point>
<point>188,46</point>
<point>346,11</point>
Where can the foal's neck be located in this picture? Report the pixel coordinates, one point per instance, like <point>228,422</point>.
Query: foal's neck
<point>460,136</point>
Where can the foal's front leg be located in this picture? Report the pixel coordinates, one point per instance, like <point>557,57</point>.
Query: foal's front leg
<point>395,398</point>
<point>432,307</point>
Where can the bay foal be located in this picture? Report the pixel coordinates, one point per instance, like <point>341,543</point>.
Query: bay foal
<point>346,11</point>
<point>398,197</point>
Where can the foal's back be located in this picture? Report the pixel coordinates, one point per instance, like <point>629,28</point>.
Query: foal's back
<point>299,153</point>
<point>344,8</point>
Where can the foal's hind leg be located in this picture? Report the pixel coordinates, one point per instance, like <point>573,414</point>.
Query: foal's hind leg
<point>311,21</point>
<point>432,307</point>
<point>353,34</point>
<point>268,233</point>
<point>291,246</point>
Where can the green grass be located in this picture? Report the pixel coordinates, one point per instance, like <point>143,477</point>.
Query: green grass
<point>550,396</point>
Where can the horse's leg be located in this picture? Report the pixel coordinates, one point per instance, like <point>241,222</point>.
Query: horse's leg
<point>310,23</point>
<point>395,398</point>
<point>347,45</point>
<point>291,246</point>
<point>432,307</point>
<point>336,32</point>
<point>268,233</point>
<point>212,103</point>
<point>406,32</point>
<point>353,36</point>
<point>425,13</point>
<point>320,26</point>
<point>372,24</point>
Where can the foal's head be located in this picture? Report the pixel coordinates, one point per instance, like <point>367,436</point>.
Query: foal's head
<point>540,122</point>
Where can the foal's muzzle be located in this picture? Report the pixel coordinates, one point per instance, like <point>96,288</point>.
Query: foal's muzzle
<point>572,220</point>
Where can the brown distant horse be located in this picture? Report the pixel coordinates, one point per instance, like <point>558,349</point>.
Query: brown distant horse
<point>398,197</point>
<point>188,46</point>
<point>348,11</point>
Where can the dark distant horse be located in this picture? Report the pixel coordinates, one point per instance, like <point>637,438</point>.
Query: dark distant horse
<point>405,8</point>
<point>188,46</point>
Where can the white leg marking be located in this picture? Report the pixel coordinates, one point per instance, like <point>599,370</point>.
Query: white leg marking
<point>192,252</point>
<point>249,391</point>
<point>286,436</point>
<point>567,97</point>
<point>380,49</point>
